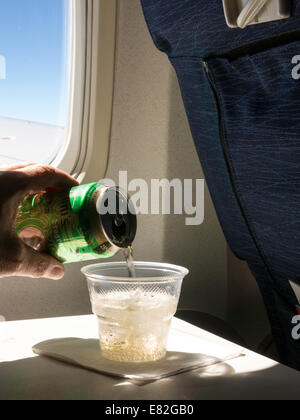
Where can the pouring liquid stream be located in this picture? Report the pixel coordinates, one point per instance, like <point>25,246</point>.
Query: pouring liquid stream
<point>128,254</point>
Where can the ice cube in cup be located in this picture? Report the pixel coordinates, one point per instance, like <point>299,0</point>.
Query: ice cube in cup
<point>134,314</point>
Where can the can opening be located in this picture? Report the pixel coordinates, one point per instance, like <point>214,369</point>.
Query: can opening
<point>117,218</point>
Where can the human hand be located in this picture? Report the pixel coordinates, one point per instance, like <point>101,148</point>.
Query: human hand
<point>16,258</point>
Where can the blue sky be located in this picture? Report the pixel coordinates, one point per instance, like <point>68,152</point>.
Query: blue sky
<point>33,42</point>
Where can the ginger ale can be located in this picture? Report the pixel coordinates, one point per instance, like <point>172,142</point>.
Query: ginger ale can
<point>87,222</point>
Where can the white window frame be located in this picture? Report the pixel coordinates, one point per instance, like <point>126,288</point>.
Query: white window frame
<point>89,59</point>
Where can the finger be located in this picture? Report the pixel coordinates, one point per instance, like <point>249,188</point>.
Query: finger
<point>39,265</point>
<point>41,177</point>
<point>17,167</point>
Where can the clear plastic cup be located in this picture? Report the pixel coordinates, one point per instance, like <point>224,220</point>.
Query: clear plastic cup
<point>134,314</point>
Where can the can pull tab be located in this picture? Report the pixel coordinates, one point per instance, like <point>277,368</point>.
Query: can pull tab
<point>242,13</point>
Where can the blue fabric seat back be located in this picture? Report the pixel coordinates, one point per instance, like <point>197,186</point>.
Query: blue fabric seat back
<point>243,107</point>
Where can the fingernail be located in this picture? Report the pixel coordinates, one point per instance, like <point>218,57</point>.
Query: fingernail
<point>57,273</point>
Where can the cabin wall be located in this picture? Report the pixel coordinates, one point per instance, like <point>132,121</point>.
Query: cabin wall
<point>150,138</point>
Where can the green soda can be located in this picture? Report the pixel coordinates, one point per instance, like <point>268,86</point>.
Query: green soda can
<point>83,223</point>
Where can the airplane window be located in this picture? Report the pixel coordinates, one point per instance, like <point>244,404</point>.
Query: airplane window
<point>34,79</point>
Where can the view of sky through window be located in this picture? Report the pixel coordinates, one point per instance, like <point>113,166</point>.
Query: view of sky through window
<point>33,60</point>
<point>34,79</point>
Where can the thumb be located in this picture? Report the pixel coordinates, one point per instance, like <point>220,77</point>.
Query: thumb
<point>39,265</point>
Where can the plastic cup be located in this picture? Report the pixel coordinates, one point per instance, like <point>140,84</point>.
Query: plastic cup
<point>134,314</point>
